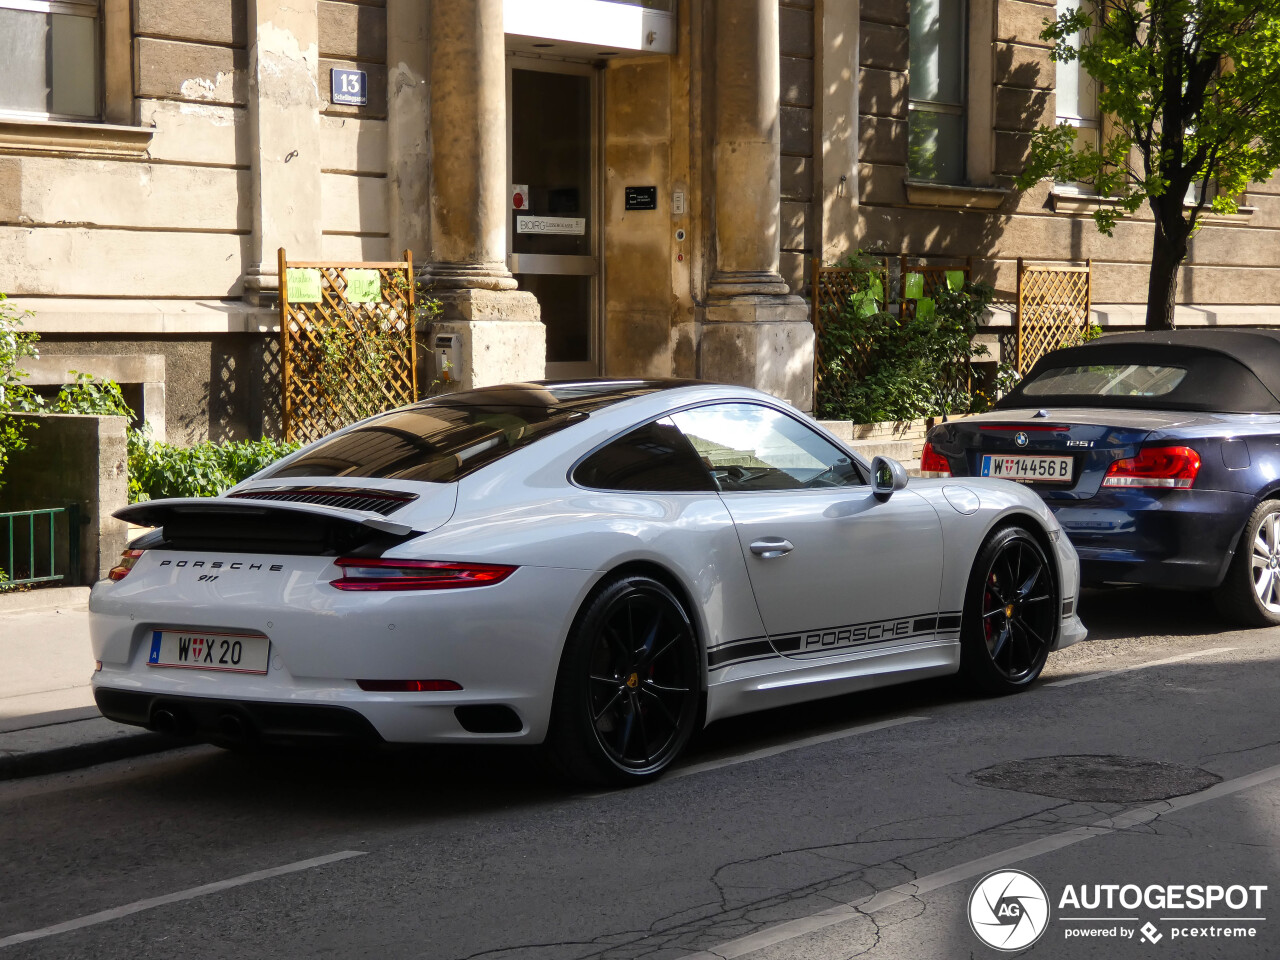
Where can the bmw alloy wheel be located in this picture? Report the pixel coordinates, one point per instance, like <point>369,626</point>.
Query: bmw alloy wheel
<point>1266,563</point>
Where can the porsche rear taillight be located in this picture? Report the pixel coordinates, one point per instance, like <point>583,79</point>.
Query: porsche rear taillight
<point>932,463</point>
<point>359,573</point>
<point>1170,467</point>
<point>125,564</point>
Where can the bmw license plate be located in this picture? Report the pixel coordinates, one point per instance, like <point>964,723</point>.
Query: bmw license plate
<point>207,650</point>
<point>1037,469</point>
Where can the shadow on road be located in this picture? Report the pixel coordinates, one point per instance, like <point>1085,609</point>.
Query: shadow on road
<point>1115,613</point>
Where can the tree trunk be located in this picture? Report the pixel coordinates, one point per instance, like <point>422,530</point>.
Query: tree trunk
<point>1168,250</point>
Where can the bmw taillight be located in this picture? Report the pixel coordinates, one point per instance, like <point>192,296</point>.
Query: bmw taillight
<point>359,573</point>
<point>1174,467</point>
<point>932,463</point>
<point>124,565</point>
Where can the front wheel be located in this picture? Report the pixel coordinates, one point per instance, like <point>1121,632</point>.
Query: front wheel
<point>1250,593</point>
<point>629,689</point>
<point>1010,613</point>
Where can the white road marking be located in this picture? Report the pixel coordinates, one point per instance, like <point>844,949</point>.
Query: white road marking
<point>1137,666</point>
<point>773,751</point>
<point>115,913</point>
<point>976,868</point>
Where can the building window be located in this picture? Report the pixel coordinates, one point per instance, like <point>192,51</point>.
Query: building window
<point>52,62</point>
<point>1077,95</point>
<point>936,118</point>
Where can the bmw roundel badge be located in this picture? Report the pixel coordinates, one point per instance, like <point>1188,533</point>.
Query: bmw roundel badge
<point>1020,438</point>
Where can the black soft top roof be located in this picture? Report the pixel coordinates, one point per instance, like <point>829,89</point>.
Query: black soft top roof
<point>1228,371</point>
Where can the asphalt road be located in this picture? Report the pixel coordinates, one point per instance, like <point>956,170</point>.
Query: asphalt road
<point>856,827</point>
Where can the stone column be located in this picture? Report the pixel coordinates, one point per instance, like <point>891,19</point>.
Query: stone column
<point>837,69</point>
<point>502,336</point>
<point>755,332</point>
<point>284,136</point>
<point>408,113</point>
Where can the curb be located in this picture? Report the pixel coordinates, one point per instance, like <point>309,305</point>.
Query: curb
<point>18,764</point>
<point>45,598</point>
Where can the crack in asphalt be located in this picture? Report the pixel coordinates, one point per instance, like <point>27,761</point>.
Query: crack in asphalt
<point>731,920</point>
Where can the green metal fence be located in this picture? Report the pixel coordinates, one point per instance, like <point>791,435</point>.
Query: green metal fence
<point>40,546</point>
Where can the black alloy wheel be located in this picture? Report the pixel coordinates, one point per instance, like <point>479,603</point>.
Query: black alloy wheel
<point>629,691</point>
<point>1011,613</point>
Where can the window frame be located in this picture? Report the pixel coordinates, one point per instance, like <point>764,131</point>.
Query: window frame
<point>962,109</point>
<point>94,10</point>
<point>1076,119</point>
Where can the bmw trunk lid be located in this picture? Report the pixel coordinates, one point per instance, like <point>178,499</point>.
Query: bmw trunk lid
<point>1023,439</point>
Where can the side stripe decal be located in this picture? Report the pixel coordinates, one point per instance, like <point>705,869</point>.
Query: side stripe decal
<point>826,642</point>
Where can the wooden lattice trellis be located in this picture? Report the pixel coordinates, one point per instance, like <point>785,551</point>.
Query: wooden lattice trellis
<point>1053,309</point>
<point>831,289</point>
<point>344,361</point>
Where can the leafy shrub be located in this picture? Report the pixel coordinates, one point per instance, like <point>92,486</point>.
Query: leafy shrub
<point>15,345</point>
<point>878,367</point>
<point>203,470</point>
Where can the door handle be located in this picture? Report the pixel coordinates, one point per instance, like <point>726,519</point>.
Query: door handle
<point>770,547</point>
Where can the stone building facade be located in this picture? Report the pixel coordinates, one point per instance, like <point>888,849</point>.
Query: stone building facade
<point>590,187</point>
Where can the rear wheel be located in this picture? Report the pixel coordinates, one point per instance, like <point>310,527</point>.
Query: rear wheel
<point>1010,613</point>
<point>1250,592</point>
<point>629,689</point>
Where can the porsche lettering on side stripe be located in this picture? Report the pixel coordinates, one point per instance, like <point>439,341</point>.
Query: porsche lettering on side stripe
<point>828,641</point>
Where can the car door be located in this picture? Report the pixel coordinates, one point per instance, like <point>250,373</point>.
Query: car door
<point>832,567</point>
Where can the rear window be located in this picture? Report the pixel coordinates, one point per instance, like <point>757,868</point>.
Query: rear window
<point>1106,380</point>
<point>434,443</point>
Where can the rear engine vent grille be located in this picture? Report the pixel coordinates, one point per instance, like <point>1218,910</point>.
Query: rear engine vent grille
<point>352,498</point>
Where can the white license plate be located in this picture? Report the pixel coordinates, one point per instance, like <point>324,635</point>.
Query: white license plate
<point>207,650</point>
<point>1038,469</point>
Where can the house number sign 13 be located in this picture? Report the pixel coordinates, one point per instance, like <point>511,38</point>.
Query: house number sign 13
<point>350,87</point>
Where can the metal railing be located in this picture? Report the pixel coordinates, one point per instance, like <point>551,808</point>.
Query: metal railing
<point>29,548</point>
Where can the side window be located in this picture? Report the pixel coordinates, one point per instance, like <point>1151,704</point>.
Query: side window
<point>655,457</point>
<point>751,447</point>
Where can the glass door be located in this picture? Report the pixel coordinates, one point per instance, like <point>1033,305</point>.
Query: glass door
<point>554,218</point>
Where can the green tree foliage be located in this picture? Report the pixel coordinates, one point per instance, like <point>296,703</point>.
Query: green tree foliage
<point>1192,89</point>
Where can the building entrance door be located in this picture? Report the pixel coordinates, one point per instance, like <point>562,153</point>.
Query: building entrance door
<point>554,224</point>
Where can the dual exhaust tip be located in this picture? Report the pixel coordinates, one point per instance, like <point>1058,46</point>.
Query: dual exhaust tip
<point>228,727</point>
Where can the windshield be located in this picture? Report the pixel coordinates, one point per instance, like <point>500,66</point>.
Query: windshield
<point>435,443</point>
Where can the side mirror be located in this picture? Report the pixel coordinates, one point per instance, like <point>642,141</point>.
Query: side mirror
<point>887,476</point>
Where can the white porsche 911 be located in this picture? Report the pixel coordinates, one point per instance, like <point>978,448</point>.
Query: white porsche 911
<point>603,566</point>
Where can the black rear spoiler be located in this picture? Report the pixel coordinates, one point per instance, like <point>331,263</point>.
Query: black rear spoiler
<point>257,526</point>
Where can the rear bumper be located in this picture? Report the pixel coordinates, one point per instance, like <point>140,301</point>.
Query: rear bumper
<point>1172,538</point>
<point>236,721</point>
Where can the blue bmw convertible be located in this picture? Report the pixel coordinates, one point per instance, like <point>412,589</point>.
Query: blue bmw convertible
<point>1158,452</point>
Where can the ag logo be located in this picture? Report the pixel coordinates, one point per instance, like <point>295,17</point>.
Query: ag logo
<point>1008,910</point>
<point>1020,438</point>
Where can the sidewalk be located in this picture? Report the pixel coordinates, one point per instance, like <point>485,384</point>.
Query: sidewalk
<point>48,721</point>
